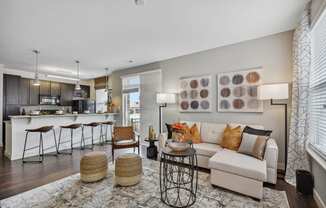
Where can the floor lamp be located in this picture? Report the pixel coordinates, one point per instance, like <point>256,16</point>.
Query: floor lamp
<point>279,91</point>
<point>163,99</point>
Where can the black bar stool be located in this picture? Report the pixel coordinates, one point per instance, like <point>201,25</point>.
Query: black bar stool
<point>41,130</point>
<point>92,125</point>
<point>70,127</point>
<point>104,136</point>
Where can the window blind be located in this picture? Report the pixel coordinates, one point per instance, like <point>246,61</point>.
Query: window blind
<point>317,103</point>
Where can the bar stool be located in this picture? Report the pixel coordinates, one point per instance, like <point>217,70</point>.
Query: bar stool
<point>41,130</point>
<point>70,127</point>
<point>104,137</point>
<point>92,125</point>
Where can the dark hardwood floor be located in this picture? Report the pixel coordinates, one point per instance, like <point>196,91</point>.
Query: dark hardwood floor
<point>16,177</point>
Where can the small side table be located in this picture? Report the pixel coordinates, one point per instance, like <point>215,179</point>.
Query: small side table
<point>152,149</point>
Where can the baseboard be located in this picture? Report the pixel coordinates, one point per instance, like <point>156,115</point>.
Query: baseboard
<point>318,200</point>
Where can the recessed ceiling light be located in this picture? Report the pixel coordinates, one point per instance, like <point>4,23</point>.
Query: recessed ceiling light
<point>131,61</point>
<point>139,2</point>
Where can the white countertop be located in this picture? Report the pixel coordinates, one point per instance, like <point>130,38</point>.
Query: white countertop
<point>64,115</point>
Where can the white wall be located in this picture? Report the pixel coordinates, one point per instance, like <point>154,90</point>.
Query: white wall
<point>273,52</point>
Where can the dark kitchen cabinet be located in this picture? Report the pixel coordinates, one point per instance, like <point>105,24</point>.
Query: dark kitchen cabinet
<point>34,93</point>
<point>11,89</point>
<point>24,91</point>
<point>11,110</point>
<point>67,93</point>
<point>45,87</point>
<point>55,89</point>
<point>86,91</point>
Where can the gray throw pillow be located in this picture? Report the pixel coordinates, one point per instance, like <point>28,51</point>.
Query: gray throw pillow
<point>253,145</point>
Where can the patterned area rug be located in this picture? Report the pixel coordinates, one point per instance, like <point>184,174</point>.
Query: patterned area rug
<point>70,192</point>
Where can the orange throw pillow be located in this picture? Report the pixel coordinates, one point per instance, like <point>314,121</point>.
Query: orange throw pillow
<point>231,138</point>
<point>195,134</point>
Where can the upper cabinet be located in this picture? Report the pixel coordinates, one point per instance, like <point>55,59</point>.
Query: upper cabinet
<point>34,93</point>
<point>67,94</point>
<point>11,89</point>
<point>45,87</point>
<point>55,89</point>
<point>24,91</point>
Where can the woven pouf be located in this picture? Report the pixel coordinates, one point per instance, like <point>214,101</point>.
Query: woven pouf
<point>128,169</point>
<point>93,166</point>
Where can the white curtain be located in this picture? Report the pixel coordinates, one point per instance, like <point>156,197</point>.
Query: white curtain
<point>150,84</point>
<point>297,155</point>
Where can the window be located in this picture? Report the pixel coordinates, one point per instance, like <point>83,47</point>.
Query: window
<point>101,100</point>
<point>317,105</point>
<point>130,101</point>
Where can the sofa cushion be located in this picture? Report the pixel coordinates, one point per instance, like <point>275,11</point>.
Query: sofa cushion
<point>233,125</point>
<point>191,123</point>
<point>207,149</point>
<point>239,164</point>
<point>212,132</point>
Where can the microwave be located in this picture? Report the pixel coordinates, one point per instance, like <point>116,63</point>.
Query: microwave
<point>49,100</point>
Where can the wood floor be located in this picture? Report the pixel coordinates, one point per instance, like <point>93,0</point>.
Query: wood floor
<point>16,178</point>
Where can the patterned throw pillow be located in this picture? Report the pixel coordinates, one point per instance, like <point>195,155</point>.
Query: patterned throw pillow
<point>231,138</point>
<point>253,145</point>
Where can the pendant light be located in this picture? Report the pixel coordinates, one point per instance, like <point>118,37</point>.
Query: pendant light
<point>107,80</point>
<point>36,81</point>
<point>77,87</point>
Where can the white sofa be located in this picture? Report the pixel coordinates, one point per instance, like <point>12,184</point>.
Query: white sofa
<point>231,170</point>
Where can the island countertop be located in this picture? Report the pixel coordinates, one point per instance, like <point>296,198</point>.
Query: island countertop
<point>62,115</point>
<point>16,134</point>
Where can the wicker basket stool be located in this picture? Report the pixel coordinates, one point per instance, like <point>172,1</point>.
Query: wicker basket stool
<point>93,166</point>
<point>128,169</point>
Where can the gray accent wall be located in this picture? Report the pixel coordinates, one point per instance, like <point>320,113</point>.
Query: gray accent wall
<point>273,53</point>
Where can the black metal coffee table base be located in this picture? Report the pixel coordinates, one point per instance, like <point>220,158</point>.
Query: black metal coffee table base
<point>178,178</point>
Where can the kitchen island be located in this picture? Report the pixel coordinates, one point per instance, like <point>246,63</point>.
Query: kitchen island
<point>16,126</point>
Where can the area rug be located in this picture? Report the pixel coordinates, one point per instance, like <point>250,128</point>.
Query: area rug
<point>70,192</point>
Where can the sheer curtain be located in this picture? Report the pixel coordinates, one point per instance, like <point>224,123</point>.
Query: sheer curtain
<point>297,155</point>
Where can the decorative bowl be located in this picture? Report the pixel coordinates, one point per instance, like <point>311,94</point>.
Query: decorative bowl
<point>178,146</point>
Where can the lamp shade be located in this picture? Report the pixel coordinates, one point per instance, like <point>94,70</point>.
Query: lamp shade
<point>165,98</point>
<point>273,91</point>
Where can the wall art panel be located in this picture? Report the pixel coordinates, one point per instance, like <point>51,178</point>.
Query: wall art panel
<point>237,91</point>
<point>195,94</point>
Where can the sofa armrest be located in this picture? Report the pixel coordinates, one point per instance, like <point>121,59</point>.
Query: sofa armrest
<point>271,157</point>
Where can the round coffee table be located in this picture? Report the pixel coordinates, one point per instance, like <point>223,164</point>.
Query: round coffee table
<point>178,177</point>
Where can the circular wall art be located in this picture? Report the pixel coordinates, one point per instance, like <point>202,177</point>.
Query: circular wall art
<point>252,77</point>
<point>252,91</point>
<point>204,93</point>
<point>193,84</point>
<point>184,94</point>
<point>239,91</point>
<point>253,103</point>
<point>184,84</point>
<point>225,92</point>
<point>204,104</point>
<point>184,105</point>
<point>204,82</point>
<point>224,80</point>
<point>224,104</point>
<point>193,94</point>
<point>194,104</point>
<point>237,79</point>
<point>238,103</point>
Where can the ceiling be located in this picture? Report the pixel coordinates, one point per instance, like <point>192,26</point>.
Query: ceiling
<point>110,33</point>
